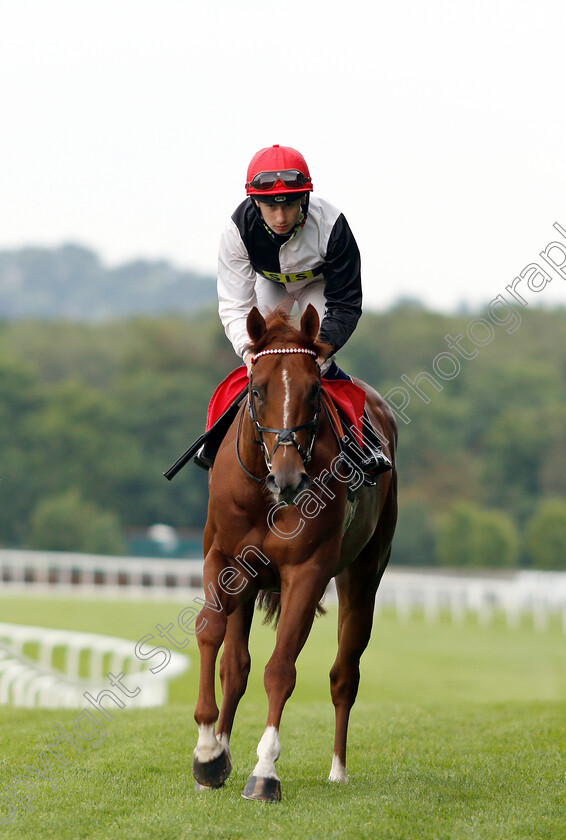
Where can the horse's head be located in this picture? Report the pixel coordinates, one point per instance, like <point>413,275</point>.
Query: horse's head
<point>285,397</point>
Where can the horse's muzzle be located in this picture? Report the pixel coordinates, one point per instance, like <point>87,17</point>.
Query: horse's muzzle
<point>287,489</point>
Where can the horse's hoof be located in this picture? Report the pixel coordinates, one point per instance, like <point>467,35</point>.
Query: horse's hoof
<point>201,788</point>
<point>212,774</point>
<point>265,790</point>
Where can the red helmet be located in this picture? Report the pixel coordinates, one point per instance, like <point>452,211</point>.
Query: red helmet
<point>278,170</point>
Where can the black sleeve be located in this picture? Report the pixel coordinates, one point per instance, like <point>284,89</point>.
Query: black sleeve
<point>343,285</point>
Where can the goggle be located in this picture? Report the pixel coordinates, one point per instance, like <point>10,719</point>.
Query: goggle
<point>293,179</point>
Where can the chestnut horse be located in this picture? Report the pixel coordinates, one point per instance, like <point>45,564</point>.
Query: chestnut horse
<point>278,501</point>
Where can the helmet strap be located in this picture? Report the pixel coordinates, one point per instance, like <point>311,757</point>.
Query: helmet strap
<point>305,211</point>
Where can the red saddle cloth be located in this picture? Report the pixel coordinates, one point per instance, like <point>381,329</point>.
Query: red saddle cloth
<point>348,398</point>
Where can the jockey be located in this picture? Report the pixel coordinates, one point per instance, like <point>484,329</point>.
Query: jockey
<point>283,245</point>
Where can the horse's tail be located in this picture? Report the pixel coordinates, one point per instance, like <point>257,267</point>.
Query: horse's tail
<point>271,603</point>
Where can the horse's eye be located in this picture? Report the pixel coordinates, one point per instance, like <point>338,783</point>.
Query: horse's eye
<point>256,394</point>
<point>315,390</point>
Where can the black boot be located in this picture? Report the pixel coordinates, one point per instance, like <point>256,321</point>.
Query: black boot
<point>205,456</point>
<point>375,461</point>
<point>371,459</point>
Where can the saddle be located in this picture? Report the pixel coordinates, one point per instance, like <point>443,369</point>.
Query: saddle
<point>345,406</point>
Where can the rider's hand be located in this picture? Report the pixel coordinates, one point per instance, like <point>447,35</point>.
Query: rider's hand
<point>324,358</point>
<point>248,361</point>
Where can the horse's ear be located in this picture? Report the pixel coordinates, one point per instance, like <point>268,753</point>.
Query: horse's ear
<point>255,324</point>
<point>310,322</point>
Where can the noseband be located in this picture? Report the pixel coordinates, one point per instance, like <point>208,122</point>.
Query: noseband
<point>284,437</point>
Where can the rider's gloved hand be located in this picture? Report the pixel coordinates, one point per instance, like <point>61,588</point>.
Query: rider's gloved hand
<point>248,361</point>
<point>324,360</point>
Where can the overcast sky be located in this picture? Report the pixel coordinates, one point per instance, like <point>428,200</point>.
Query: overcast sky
<point>438,128</point>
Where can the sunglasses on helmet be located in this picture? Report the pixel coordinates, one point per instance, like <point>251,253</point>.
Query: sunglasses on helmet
<point>291,178</point>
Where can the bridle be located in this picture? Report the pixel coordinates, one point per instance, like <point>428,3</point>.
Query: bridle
<point>284,437</point>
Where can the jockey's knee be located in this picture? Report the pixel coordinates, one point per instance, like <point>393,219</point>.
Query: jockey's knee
<point>334,372</point>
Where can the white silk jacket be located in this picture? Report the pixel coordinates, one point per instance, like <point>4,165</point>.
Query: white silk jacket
<point>323,249</point>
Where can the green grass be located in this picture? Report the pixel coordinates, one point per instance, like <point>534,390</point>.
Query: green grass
<point>459,732</point>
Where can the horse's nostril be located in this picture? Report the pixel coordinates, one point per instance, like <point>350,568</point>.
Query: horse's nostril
<point>271,483</point>
<point>304,483</point>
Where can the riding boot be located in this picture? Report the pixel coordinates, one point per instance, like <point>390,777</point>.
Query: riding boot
<point>205,456</point>
<point>375,460</point>
<point>370,459</point>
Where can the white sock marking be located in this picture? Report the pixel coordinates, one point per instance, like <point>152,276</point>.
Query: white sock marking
<point>268,751</point>
<point>224,739</point>
<point>208,746</point>
<point>337,771</point>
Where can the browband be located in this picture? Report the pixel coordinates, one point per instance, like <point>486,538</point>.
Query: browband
<point>283,350</point>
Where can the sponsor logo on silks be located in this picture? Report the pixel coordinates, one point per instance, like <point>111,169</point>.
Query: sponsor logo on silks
<point>288,278</point>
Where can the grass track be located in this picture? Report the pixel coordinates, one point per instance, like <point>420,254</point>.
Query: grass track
<point>458,732</point>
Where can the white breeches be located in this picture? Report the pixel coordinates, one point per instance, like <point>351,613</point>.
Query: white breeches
<point>270,295</point>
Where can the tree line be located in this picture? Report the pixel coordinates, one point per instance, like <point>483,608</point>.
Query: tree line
<point>72,282</point>
<point>92,414</point>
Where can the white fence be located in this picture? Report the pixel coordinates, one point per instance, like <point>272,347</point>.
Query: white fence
<point>57,571</point>
<point>516,593</point>
<point>44,681</point>
<point>538,595</point>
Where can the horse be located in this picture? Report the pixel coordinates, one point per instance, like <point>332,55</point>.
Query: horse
<point>279,495</point>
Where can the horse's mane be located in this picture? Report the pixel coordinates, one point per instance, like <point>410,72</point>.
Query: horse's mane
<point>281,330</point>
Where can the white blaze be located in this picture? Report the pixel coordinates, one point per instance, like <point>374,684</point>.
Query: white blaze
<point>287,400</point>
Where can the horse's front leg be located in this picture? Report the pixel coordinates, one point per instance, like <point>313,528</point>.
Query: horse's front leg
<point>234,667</point>
<point>301,589</point>
<point>211,763</point>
